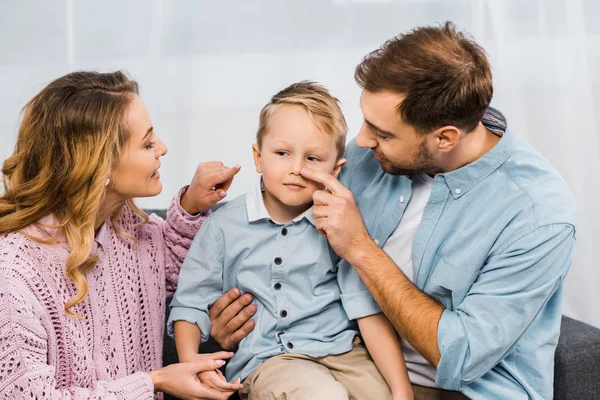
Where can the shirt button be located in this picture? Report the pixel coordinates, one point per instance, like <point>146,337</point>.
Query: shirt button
<point>401,199</point>
<point>376,242</point>
<point>283,313</point>
<point>284,231</point>
<point>457,191</point>
<point>277,286</point>
<point>290,345</point>
<point>278,260</point>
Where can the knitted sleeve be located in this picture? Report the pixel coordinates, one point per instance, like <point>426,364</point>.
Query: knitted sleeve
<point>179,231</point>
<point>25,372</point>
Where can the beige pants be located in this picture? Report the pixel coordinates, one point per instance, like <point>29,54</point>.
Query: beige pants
<point>352,375</point>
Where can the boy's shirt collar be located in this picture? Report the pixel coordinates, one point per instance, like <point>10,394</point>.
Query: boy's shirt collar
<point>255,206</point>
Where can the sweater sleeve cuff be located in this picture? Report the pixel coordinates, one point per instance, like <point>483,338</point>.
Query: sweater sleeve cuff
<point>135,386</point>
<point>181,212</point>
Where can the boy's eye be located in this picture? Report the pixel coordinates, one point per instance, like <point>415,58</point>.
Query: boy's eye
<point>281,153</point>
<point>150,145</point>
<point>313,158</point>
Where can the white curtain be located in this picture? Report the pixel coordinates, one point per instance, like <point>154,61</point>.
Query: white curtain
<point>207,67</point>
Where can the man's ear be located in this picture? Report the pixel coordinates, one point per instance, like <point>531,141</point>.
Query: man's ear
<point>447,137</point>
<point>338,167</point>
<point>256,154</point>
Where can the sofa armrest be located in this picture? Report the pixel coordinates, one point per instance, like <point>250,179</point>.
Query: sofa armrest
<point>577,361</point>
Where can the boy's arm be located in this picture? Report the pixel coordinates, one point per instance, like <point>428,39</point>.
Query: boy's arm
<point>200,281</point>
<point>382,342</point>
<point>187,340</point>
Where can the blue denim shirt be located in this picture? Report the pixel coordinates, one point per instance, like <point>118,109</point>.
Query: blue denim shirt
<point>305,304</point>
<point>493,247</point>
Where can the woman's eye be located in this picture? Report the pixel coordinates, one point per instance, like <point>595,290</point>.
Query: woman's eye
<point>150,145</point>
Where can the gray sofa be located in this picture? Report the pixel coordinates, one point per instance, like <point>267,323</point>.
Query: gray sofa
<point>577,358</point>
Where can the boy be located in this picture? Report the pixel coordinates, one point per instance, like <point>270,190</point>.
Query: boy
<point>305,344</point>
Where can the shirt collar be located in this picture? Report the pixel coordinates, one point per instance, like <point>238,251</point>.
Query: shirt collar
<point>255,207</point>
<point>50,224</point>
<point>462,180</point>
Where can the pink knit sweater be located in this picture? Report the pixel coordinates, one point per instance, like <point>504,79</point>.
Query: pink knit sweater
<point>46,354</point>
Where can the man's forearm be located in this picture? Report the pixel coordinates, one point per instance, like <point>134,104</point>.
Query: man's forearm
<point>414,314</point>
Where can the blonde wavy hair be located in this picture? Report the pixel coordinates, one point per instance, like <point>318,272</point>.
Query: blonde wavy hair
<point>70,138</point>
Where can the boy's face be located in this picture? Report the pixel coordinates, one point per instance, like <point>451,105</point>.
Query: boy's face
<point>291,143</point>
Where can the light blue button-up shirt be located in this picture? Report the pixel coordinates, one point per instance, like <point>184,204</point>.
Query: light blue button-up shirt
<point>305,303</point>
<point>493,247</point>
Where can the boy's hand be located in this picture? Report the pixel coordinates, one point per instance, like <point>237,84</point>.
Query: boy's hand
<point>230,318</point>
<point>209,185</point>
<point>216,380</point>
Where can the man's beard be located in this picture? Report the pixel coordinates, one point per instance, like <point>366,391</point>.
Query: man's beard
<point>422,163</point>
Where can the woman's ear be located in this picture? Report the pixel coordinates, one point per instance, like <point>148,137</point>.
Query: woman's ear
<point>256,154</point>
<point>338,167</point>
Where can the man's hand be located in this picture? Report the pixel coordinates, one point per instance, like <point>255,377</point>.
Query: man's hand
<point>209,185</point>
<point>337,216</point>
<point>230,318</point>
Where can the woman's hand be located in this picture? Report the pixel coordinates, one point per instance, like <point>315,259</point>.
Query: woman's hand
<point>216,380</point>
<point>209,185</point>
<point>181,380</point>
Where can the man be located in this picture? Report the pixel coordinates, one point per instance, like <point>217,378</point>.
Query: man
<point>462,232</point>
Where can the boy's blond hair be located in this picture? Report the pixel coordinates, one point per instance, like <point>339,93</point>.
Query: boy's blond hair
<point>322,108</point>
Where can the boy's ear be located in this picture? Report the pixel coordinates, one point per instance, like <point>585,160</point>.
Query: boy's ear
<point>338,167</point>
<point>256,154</point>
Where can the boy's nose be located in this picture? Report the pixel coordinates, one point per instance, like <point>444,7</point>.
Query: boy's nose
<point>297,166</point>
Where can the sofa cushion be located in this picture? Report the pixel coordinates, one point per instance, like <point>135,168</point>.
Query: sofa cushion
<point>577,361</point>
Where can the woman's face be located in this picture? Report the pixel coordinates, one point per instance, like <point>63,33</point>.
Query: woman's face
<point>137,173</point>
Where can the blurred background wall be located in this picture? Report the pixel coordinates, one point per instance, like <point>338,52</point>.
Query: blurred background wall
<point>206,68</point>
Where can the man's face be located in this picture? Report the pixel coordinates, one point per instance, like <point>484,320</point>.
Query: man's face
<point>396,145</point>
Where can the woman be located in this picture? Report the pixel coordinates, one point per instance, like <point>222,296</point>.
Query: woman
<point>83,272</point>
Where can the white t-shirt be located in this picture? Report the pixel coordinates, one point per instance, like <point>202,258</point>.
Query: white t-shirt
<point>399,248</point>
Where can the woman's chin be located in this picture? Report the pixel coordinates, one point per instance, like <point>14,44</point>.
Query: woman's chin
<point>154,189</point>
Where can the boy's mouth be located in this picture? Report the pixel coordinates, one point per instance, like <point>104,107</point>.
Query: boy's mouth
<point>294,186</point>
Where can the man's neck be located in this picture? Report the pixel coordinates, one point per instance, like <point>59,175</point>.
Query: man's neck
<point>471,147</point>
